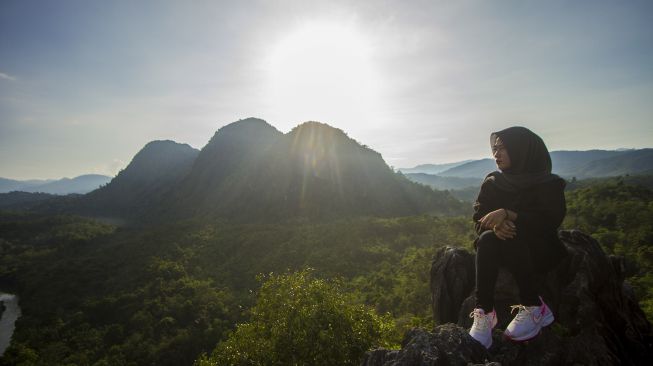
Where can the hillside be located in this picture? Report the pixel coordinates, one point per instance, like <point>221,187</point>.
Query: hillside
<point>249,171</point>
<point>629,162</point>
<point>473,169</point>
<point>318,171</point>
<point>233,150</point>
<point>154,170</point>
<point>569,163</point>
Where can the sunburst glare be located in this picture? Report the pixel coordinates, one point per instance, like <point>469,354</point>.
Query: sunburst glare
<point>325,71</point>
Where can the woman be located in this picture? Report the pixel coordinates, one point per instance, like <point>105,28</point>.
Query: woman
<point>517,214</point>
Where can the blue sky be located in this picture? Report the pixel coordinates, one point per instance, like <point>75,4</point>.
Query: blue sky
<point>85,84</point>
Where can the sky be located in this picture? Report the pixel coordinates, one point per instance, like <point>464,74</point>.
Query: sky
<point>84,85</point>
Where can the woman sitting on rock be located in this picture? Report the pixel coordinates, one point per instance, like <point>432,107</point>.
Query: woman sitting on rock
<point>517,214</point>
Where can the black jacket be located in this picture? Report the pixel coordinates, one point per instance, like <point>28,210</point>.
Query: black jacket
<point>540,210</point>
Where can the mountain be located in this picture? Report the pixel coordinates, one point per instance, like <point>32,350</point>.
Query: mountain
<point>155,169</point>
<point>81,184</point>
<point>10,185</point>
<point>432,168</point>
<point>473,169</point>
<point>626,163</point>
<point>233,149</point>
<point>318,170</point>
<point>568,164</point>
<point>249,170</point>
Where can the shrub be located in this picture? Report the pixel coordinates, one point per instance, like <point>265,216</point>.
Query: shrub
<point>302,320</point>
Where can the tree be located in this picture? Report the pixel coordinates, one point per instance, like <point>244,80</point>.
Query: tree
<point>302,320</point>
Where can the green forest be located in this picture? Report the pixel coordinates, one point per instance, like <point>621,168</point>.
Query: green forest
<point>214,292</point>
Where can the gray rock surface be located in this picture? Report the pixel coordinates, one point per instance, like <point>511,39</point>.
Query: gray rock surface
<point>447,344</point>
<point>598,320</point>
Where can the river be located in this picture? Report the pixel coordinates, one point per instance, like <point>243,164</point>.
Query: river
<point>8,320</point>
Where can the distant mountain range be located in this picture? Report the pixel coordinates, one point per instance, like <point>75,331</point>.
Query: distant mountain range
<point>433,168</point>
<point>568,164</point>
<point>81,184</point>
<point>251,171</point>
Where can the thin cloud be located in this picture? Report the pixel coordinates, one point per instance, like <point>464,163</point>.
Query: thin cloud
<point>7,77</point>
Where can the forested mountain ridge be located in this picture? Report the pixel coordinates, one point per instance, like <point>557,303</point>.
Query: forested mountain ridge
<point>314,170</point>
<point>155,169</point>
<point>629,162</point>
<point>231,149</point>
<point>249,171</point>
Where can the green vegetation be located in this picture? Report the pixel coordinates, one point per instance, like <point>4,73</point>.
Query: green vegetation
<point>620,217</point>
<point>94,294</point>
<point>302,320</point>
<point>164,295</point>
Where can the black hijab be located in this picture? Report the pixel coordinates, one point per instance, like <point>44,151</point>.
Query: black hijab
<point>530,162</point>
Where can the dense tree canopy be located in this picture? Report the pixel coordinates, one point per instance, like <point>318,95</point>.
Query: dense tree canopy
<point>96,294</point>
<point>302,320</point>
<point>620,217</point>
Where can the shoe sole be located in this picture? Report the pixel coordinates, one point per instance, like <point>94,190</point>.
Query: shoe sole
<point>546,320</point>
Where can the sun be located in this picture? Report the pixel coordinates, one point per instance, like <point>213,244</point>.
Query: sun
<point>323,71</point>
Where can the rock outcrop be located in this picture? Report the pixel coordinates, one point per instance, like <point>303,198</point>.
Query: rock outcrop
<point>598,320</point>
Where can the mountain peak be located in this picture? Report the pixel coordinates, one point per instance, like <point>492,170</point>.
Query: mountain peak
<point>158,154</point>
<point>248,125</point>
<point>164,144</point>
<point>154,170</point>
<point>316,127</point>
<point>236,135</point>
<point>320,137</point>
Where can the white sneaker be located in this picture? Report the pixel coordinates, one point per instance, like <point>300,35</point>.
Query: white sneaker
<point>528,322</point>
<point>482,328</point>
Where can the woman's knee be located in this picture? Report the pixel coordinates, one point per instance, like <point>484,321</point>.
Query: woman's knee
<point>487,240</point>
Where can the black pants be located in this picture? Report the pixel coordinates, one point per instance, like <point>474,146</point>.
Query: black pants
<point>513,254</point>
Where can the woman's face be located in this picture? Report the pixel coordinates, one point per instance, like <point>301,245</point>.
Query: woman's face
<point>500,155</point>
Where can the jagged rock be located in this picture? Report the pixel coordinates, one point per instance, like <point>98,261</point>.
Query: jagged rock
<point>448,345</point>
<point>598,320</point>
<point>455,269</point>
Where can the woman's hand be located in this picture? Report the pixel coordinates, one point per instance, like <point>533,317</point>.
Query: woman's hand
<point>500,221</point>
<point>505,230</point>
<point>493,219</point>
